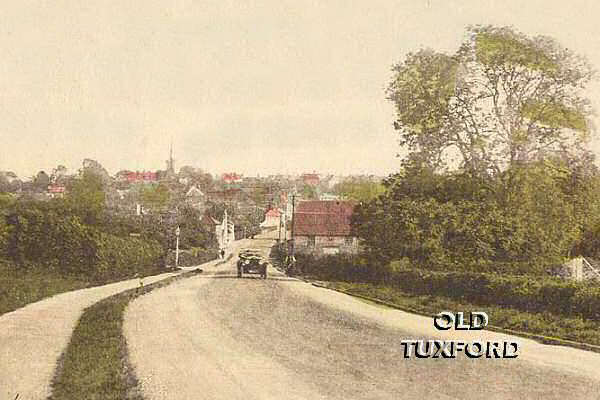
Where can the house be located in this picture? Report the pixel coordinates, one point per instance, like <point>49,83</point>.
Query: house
<point>272,218</point>
<point>195,197</point>
<point>56,190</point>
<point>310,179</point>
<point>224,230</point>
<point>232,178</point>
<point>137,176</point>
<point>323,227</point>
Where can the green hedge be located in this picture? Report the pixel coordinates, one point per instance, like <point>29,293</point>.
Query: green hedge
<point>194,256</point>
<point>49,236</point>
<point>121,257</point>
<point>527,293</point>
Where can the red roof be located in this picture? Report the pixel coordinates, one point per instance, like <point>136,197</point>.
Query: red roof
<point>131,176</point>
<point>310,178</point>
<point>323,218</point>
<point>56,189</point>
<point>273,212</point>
<point>232,177</point>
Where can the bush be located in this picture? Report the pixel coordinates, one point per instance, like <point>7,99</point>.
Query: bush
<point>194,256</point>
<point>526,293</point>
<point>48,235</point>
<point>121,257</point>
<point>338,267</point>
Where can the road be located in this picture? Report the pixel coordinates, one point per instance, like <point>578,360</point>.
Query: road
<point>214,336</point>
<point>32,338</point>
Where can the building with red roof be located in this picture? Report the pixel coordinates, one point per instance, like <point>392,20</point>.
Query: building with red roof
<point>272,218</point>
<point>56,190</point>
<point>310,179</point>
<point>323,227</point>
<point>232,177</point>
<point>138,177</point>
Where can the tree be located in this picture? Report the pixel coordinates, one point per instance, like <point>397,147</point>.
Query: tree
<point>502,99</point>
<point>196,176</point>
<point>446,220</point>
<point>96,168</point>
<point>41,182</point>
<point>86,196</point>
<point>360,189</point>
<point>58,173</point>
<point>155,198</point>
<point>309,192</point>
<point>192,232</point>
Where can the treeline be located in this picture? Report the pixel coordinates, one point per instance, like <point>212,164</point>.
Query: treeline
<point>79,236</point>
<point>526,220</point>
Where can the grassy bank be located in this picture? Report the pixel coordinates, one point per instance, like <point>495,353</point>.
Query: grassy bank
<point>546,324</point>
<point>95,363</point>
<point>21,286</point>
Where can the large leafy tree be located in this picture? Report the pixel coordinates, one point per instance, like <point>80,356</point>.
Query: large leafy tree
<point>40,182</point>
<point>198,177</point>
<point>86,196</point>
<point>502,99</point>
<point>154,198</point>
<point>361,189</point>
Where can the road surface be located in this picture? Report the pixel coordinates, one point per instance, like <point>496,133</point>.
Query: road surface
<point>32,338</point>
<point>215,336</point>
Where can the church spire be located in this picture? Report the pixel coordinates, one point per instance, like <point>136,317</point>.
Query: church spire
<point>171,161</point>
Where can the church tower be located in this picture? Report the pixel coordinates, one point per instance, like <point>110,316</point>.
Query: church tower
<point>171,162</point>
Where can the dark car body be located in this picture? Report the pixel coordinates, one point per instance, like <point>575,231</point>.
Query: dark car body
<point>251,262</point>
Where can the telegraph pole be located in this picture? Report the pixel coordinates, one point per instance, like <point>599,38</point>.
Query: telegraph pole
<point>293,223</point>
<point>177,231</point>
<point>280,225</point>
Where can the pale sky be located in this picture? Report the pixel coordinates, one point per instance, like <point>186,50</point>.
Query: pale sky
<point>255,87</point>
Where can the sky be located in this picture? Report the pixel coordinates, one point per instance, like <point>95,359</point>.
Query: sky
<point>255,87</point>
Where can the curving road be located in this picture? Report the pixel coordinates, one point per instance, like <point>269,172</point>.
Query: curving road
<point>215,336</point>
<point>32,338</point>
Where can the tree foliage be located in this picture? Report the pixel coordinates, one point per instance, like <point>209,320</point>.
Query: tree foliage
<point>86,196</point>
<point>198,177</point>
<point>441,221</point>
<point>155,198</point>
<point>360,189</point>
<point>503,98</point>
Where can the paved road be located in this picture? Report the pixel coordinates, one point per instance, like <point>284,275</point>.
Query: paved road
<point>215,336</point>
<point>32,338</point>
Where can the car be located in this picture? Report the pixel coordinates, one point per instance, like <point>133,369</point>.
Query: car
<point>251,262</point>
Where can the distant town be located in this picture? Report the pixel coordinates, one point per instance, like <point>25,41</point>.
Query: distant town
<point>322,202</point>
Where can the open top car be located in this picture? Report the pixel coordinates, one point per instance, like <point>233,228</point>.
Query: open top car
<point>251,262</point>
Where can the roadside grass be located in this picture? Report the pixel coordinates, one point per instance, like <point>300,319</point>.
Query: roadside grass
<point>21,286</point>
<point>95,364</point>
<point>546,324</point>
<point>18,287</point>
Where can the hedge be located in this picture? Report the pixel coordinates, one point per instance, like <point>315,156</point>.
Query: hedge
<point>121,257</point>
<point>194,256</point>
<point>526,293</point>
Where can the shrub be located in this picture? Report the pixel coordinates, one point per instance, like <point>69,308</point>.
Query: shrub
<point>526,293</point>
<point>193,256</point>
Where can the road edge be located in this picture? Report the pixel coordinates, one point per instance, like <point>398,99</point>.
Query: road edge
<point>548,340</point>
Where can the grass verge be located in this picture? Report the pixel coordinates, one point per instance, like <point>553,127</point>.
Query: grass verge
<point>544,324</point>
<point>21,286</point>
<point>95,364</point>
